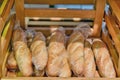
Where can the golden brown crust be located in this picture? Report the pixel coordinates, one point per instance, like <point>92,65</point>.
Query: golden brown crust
<point>23,58</point>
<point>76,55</point>
<point>103,60</point>
<point>58,63</point>
<point>89,66</point>
<point>39,52</point>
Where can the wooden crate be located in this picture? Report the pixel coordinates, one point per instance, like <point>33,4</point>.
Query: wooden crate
<point>96,15</point>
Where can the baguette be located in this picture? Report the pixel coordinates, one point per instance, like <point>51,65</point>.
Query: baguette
<point>89,66</point>
<point>58,57</point>
<point>103,60</point>
<point>76,53</point>
<point>39,53</point>
<point>22,53</point>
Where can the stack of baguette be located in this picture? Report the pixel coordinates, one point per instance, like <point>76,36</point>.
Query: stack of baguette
<point>78,56</point>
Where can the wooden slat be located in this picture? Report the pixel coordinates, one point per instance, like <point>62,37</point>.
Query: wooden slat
<point>100,6</point>
<point>59,13</point>
<point>7,10</point>
<point>116,19</point>
<point>115,33</point>
<point>7,38</point>
<point>52,2</point>
<point>115,5</point>
<point>5,13</point>
<point>19,7</point>
<point>56,78</point>
<point>112,50</point>
<point>0,52</point>
<point>1,25</point>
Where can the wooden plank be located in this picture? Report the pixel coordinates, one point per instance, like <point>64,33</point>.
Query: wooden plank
<point>115,33</point>
<point>7,38</point>
<point>7,10</point>
<point>100,6</point>
<point>5,14</point>
<point>112,50</point>
<point>115,7</point>
<point>116,20</point>
<point>53,2</point>
<point>0,50</point>
<point>59,13</point>
<point>1,25</point>
<point>19,7</point>
<point>56,78</point>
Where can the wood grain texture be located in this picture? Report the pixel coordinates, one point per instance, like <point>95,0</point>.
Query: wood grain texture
<point>100,6</point>
<point>59,13</point>
<point>115,5</point>
<point>19,7</point>
<point>52,2</point>
<point>4,16</point>
<point>7,38</point>
<point>7,10</point>
<point>0,50</point>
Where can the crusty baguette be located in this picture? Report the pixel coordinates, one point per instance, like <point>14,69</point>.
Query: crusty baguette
<point>57,62</point>
<point>103,60</point>
<point>11,62</point>
<point>23,58</point>
<point>39,52</point>
<point>22,52</point>
<point>76,53</point>
<point>89,66</point>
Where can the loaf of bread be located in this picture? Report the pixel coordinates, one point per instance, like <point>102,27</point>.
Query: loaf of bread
<point>75,49</point>
<point>22,53</point>
<point>11,61</point>
<point>58,57</point>
<point>39,53</point>
<point>89,66</point>
<point>103,60</point>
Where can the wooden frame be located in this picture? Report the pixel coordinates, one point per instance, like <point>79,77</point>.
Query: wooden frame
<point>97,14</point>
<point>52,2</point>
<point>105,38</point>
